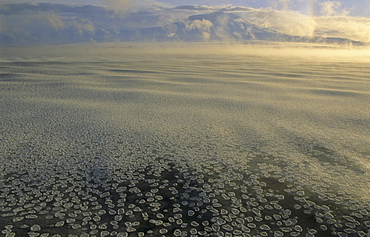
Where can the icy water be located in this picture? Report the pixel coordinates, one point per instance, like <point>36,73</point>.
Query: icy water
<point>111,140</point>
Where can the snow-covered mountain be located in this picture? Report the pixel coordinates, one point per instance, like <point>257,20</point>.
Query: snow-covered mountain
<point>57,23</point>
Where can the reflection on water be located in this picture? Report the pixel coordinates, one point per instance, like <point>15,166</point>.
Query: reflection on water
<point>183,142</point>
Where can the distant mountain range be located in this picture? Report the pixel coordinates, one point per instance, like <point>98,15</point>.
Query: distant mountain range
<point>58,23</point>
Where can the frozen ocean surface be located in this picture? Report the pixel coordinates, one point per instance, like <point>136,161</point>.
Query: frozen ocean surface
<point>144,140</point>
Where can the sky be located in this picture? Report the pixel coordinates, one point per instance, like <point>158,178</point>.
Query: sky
<point>317,7</point>
<point>72,21</point>
<point>355,7</point>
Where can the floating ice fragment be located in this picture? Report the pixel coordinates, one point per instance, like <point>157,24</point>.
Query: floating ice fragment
<point>59,224</point>
<point>205,223</point>
<point>259,219</point>
<point>349,231</point>
<point>122,234</point>
<point>286,229</point>
<point>341,234</point>
<point>102,212</point>
<point>221,221</point>
<point>268,218</point>
<point>95,218</point>
<point>193,231</point>
<point>251,225</point>
<point>114,222</point>
<point>323,227</point>
<point>163,231</point>
<point>35,228</point>
<point>256,211</point>
<point>177,232</point>
<point>104,233</point>
<point>76,226</point>
<point>31,217</point>
<point>130,229</point>
<point>349,218</point>
<point>265,227</point>
<point>17,219</point>
<point>191,213</point>
<point>178,216</point>
<point>227,227</point>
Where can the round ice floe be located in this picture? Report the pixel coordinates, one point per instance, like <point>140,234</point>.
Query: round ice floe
<point>265,227</point>
<point>227,227</point>
<point>163,231</point>
<point>286,229</point>
<point>114,223</point>
<point>312,231</point>
<point>323,227</point>
<point>35,228</point>
<point>96,218</point>
<point>251,225</point>
<point>278,234</point>
<point>221,221</point>
<point>177,232</point>
<point>350,231</point>
<point>341,234</point>
<point>59,224</point>
<point>17,219</point>
<point>31,217</point>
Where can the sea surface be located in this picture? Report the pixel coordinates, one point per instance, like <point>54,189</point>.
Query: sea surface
<point>184,140</point>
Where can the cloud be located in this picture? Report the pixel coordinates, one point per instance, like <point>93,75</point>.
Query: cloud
<point>32,28</point>
<point>44,27</point>
<point>222,30</point>
<point>119,6</point>
<point>287,22</point>
<point>237,9</point>
<point>332,8</point>
<point>284,4</point>
<point>355,28</point>
<point>204,26</point>
<point>196,8</point>
<point>58,23</point>
<point>295,23</point>
<point>81,27</point>
<point>280,4</point>
<point>205,8</point>
<point>126,6</point>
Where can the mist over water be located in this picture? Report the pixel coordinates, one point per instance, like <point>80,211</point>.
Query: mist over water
<point>208,140</point>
